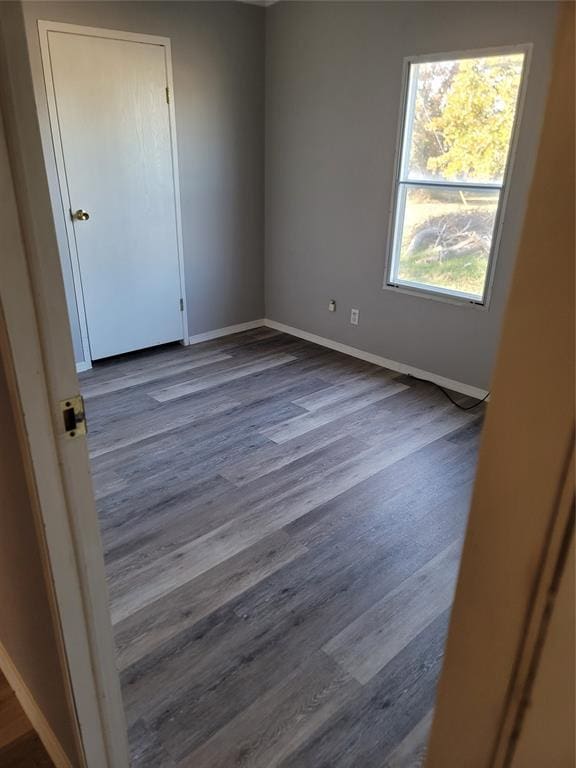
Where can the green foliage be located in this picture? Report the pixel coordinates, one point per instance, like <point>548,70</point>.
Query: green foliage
<point>446,238</point>
<point>474,121</point>
<point>464,273</point>
<point>433,83</point>
<point>462,123</point>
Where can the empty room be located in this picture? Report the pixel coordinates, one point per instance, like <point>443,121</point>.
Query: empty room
<point>269,250</point>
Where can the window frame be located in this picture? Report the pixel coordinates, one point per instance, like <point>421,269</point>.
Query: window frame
<point>397,205</point>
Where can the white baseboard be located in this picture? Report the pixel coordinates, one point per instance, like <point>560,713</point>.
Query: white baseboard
<point>227,331</point>
<point>200,337</point>
<point>393,365</point>
<point>383,362</point>
<point>32,711</point>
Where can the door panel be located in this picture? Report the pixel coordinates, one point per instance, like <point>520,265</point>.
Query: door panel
<point>114,126</point>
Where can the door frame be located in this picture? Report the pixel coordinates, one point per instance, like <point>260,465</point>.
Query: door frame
<point>521,518</point>
<point>57,470</point>
<point>63,206</point>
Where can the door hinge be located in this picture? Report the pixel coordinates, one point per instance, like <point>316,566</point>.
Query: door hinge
<point>73,416</point>
<point>167,95</point>
<point>181,305</point>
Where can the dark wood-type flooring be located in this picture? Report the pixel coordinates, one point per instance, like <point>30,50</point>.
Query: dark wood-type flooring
<point>20,746</point>
<point>282,527</point>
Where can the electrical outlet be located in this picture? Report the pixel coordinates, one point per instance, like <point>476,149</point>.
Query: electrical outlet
<point>332,305</point>
<point>354,316</point>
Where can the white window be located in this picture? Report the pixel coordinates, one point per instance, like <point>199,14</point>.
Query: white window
<point>458,125</point>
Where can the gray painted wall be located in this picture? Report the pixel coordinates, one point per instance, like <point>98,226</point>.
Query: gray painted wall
<point>333,85</point>
<point>331,99</point>
<point>218,62</point>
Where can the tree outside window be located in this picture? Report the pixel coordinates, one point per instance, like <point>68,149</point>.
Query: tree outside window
<point>458,128</point>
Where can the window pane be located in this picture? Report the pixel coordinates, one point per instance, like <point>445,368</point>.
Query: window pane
<point>460,118</point>
<point>445,237</point>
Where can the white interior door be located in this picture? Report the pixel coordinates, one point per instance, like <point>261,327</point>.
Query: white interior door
<point>113,123</point>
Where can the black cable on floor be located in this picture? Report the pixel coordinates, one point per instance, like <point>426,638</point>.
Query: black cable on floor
<point>447,395</point>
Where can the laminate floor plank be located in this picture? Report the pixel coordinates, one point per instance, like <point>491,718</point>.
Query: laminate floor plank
<point>203,523</point>
<point>392,491</point>
<point>331,412</point>
<point>278,722</point>
<point>145,630</point>
<point>281,526</point>
<point>127,517</point>
<point>213,668</point>
<point>260,339</point>
<point>334,393</point>
<point>129,431</point>
<point>106,483</point>
<point>188,446</point>
<point>411,751</point>
<point>273,457</point>
<point>148,376</point>
<point>374,722</point>
<point>214,380</point>
<point>366,645</point>
<point>145,749</point>
<point>285,383</point>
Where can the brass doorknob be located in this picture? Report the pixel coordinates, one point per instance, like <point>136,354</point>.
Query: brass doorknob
<point>81,215</point>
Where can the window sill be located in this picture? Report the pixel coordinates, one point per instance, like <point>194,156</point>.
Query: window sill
<point>435,295</point>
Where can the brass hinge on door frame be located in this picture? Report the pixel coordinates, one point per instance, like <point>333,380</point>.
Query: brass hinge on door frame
<point>167,95</point>
<point>73,416</point>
